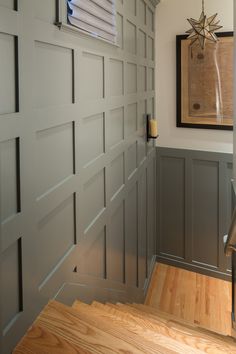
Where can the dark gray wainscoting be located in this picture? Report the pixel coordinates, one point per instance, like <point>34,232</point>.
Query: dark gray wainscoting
<point>194,205</point>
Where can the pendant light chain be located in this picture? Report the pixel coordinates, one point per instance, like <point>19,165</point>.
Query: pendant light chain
<point>203,6</point>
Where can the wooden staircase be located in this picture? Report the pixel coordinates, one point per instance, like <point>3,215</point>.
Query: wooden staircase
<point>120,328</point>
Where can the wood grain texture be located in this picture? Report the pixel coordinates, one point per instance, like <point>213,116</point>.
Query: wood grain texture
<point>138,328</point>
<point>59,327</point>
<point>193,297</point>
<point>189,335</point>
<point>143,331</point>
<point>40,341</point>
<point>225,343</point>
<point>129,333</point>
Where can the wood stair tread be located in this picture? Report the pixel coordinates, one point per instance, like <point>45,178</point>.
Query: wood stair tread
<point>126,331</point>
<point>189,342</point>
<point>168,317</point>
<point>39,340</point>
<point>60,329</point>
<point>141,329</point>
<point>121,328</point>
<point>181,334</point>
<point>149,309</point>
<point>208,339</point>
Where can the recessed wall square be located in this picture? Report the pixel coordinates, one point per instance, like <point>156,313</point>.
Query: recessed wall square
<point>131,119</point>
<point>142,45</point>
<point>91,79</point>
<point>116,77</point>
<point>93,198</point>
<point>151,79</point>
<point>150,19</point>
<point>8,79</point>
<point>57,233</point>
<point>142,12</point>
<point>45,10</point>
<point>9,178</point>
<point>115,245</point>
<point>116,126</point>
<point>10,4</point>
<point>90,149</point>
<point>131,6</point>
<point>131,40</point>
<point>150,48</point>
<point>142,78</point>
<point>54,156</point>
<point>131,78</point>
<point>11,287</point>
<point>53,70</point>
<point>120,30</point>
<point>132,159</point>
<point>117,175</point>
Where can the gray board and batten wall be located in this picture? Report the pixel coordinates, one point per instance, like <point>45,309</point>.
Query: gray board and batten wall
<point>77,178</point>
<point>194,208</point>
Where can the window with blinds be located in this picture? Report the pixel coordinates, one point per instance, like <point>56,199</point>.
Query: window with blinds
<point>96,17</point>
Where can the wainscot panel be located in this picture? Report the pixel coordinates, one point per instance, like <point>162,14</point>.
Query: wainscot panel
<point>194,209</point>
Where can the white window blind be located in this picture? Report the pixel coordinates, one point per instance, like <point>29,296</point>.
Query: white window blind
<point>96,17</point>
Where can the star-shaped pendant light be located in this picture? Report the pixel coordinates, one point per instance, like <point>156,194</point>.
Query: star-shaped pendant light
<point>203,29</point>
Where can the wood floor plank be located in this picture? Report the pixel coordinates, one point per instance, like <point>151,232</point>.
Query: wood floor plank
<point>199,299</point>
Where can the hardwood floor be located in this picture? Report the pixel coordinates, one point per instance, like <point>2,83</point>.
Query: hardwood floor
<point>195,298</point>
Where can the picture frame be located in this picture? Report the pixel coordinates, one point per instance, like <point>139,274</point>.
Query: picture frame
<point>204,83</point>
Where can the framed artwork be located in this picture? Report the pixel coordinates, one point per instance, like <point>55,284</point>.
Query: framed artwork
<point>205,83</point>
